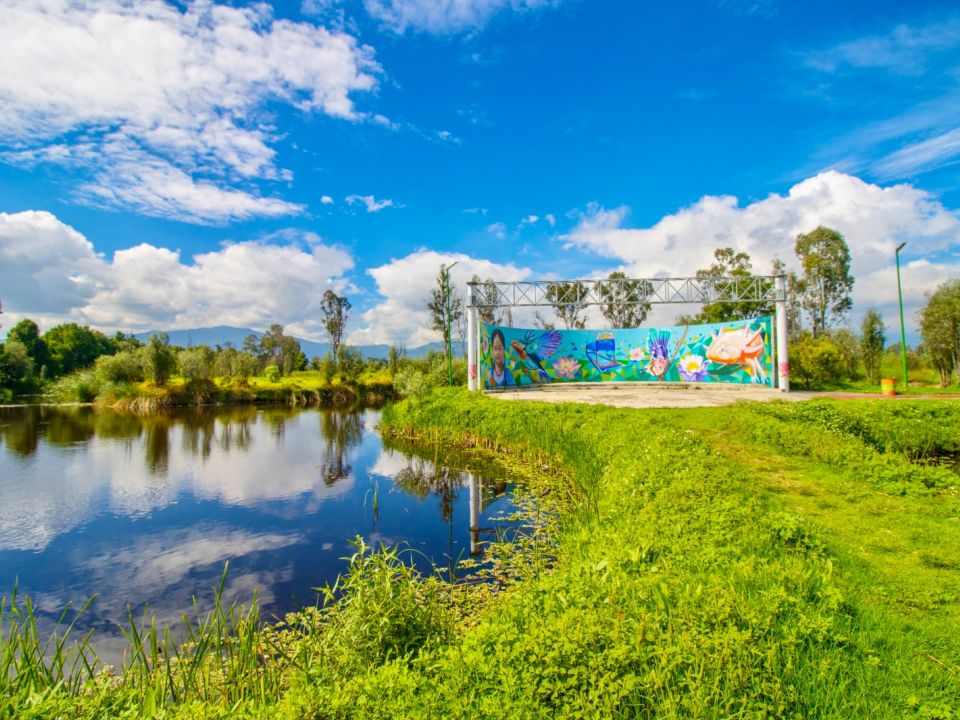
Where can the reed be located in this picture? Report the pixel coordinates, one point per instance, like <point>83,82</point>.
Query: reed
<point>31,662</point>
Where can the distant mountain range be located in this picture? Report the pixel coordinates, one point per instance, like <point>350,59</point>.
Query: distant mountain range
<point>223,335</point>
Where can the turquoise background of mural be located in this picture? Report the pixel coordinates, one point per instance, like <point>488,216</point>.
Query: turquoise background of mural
<point>733,352</point>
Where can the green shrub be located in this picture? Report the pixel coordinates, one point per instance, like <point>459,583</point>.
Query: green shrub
<point>350,363</point>
<point>196,363</point>
<point>815,362</point>
<point>411,382</point>
<point>124,367</point>
<point>272,373</point>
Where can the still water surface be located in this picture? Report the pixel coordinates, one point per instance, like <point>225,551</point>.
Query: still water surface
<point>145,510</point>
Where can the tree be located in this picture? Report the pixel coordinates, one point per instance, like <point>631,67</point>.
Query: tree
<point>16,366</point>
<point>625,302</point>
<point>816,361</point>
<point>73,347</point>
<point>794,326</point>
<point>445,306</point>
<point>280,350</point>
<point>158,358</point>
<point>848,345</point>
<point>350,363</point>
<point>196,363</point>
<point>487,293</point>
<point>727,263</point>
<point>336,310</point>
<point>826,283</point>
<point>568,300</point>
<point>396,352</point>
<point>871,343</point>
<point>940,329</point>
<point>27,334</point>
<point>123,342</point>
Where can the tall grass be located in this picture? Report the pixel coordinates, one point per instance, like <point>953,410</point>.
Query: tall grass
<point>30,662</point>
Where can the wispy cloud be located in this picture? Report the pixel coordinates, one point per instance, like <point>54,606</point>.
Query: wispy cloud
<point>920,139</point>
<point>906,49</point>
<point>920,157</point>
<point>444,18</point>
<point>371,203</point>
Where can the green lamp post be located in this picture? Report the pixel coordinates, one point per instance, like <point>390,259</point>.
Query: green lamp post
<point>903,338</point>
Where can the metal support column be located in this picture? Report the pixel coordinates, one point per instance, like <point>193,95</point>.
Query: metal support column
<point>783,358</point>
<point>473,327</point>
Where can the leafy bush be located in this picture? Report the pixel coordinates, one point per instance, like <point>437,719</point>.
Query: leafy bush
<point>79,386</point>
<point>411,382</point>
<point>124,367</point>
<point>196,363</point>
<point>272,373</point>
<point>350,363</point>
<point>815,362</point>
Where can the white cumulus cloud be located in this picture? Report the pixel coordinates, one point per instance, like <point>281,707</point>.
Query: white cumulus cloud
<point>164,105</point>
<point>405,286</point>
<point>50,272</point>
<point>873,220</point>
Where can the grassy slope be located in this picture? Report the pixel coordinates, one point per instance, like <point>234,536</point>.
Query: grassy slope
<point>693,585</point>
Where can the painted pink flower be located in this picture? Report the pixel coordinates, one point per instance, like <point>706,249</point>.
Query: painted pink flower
<point>566,367</point>
<point>637,354</point>
<point>784,368</point>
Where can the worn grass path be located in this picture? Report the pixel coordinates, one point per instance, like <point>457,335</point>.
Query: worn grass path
<point>897,555</point>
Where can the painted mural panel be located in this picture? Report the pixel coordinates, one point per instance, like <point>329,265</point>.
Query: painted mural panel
<point>732,352</point>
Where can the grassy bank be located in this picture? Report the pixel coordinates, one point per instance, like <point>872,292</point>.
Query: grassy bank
<point>750,561</point>
<point>300,388</point>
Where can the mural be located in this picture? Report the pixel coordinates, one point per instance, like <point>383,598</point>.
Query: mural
<point>733,352</point>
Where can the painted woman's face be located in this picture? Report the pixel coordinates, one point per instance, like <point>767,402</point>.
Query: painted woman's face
<point>498,354</point>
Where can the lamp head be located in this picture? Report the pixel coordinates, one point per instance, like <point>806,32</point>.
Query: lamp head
<point>900,247</point>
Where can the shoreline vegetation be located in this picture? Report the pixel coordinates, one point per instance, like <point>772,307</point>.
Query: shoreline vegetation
<point>757,560</point>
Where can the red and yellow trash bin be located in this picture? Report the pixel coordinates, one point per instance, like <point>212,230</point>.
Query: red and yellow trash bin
<point>888,386</point>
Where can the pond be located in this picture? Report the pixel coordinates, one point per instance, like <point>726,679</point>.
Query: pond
<point>145,510</point>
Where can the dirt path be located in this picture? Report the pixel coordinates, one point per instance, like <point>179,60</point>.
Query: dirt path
<point>649,395</point>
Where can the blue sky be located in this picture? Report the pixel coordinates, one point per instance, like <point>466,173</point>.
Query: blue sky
<point>189,165</point>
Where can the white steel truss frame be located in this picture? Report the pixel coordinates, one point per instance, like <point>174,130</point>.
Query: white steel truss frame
<point>769,289</point>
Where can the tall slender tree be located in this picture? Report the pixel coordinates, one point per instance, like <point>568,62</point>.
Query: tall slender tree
<point>727,263</point>
<point>872,341</point>
<point>445,306</point>
<point>336,310</point>
<point>940,329</point>
<point>826,283</point>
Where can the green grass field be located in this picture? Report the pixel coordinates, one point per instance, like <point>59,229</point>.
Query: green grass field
<point>793,560</point>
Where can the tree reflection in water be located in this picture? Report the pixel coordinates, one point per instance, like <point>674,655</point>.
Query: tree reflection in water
<point>341,430</point>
